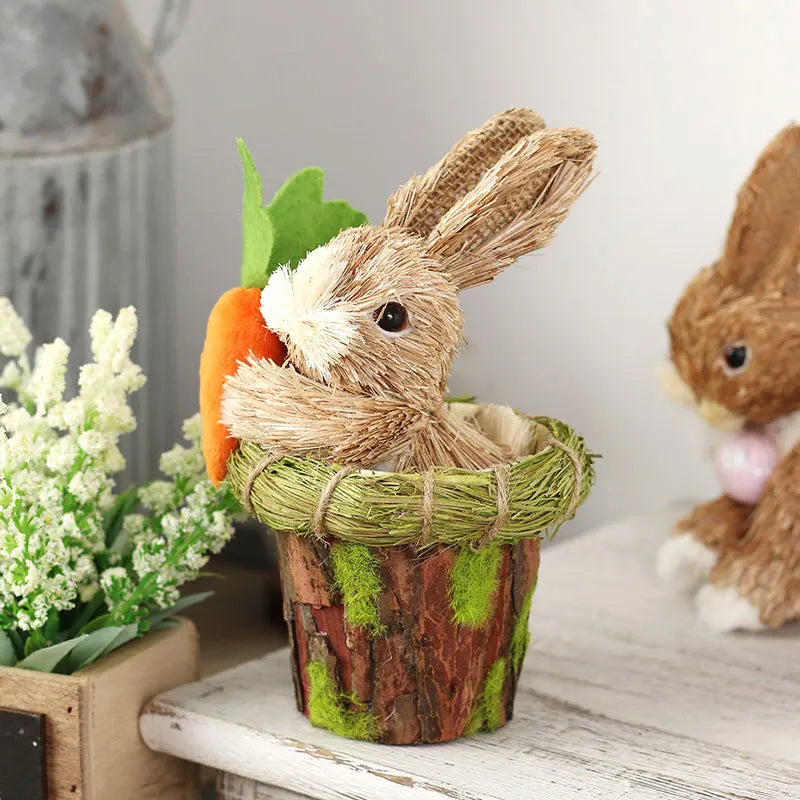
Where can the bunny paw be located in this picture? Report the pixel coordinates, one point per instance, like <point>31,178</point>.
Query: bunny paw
<point>724,609</point>
<point>685,562</point>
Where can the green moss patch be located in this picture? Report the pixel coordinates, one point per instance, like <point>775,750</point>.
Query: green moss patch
<point>342,714</point>
<point>473,583</point>
<point>356,575</point>
<point>521,637</point>
<point>487,714</point>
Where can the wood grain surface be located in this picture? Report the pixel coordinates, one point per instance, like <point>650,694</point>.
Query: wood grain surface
<point>624,695</point>
<point>93,747</point>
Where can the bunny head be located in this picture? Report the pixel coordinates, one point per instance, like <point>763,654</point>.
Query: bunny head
<point>375,311</point>
<point>735,333</point>
<point>369,313</point>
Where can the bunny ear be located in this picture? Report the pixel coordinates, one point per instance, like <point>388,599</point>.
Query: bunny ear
<point>763,246</point>
<point>419,204</point>
<point>516,206</point>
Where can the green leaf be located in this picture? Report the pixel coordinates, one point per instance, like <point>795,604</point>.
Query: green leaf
<point>128,633</point>
<point>33,643</point>
<point>97,623</point>
<point>257,233</point>
<point>100,643</point>
<point>115,516</point>
<point>8,655</point>
<point>48,659</point>
<point>51,626</point>
<point>92,646</point>
<point>17,641</point>
<point>294,223</point>
<point>87,612</point>
<point>159,615</point>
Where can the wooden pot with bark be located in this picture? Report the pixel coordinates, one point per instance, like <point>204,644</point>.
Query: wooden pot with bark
<point>408,526</point>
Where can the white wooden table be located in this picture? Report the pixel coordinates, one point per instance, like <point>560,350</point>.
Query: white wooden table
<point>624,695</point>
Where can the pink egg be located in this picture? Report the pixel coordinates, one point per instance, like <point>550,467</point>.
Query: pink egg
<point>744,462</point>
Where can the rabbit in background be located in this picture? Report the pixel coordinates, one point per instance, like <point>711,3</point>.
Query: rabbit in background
<point>735,355</point>
<point>371,321</point>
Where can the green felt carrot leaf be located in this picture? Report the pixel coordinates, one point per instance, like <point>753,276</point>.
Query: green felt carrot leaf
<point>294,223</point>
<point>257,233</point>
<point>302,222</point>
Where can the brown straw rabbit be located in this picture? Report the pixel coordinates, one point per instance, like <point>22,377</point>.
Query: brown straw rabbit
<point>371,320</point>
<point>735,348</point>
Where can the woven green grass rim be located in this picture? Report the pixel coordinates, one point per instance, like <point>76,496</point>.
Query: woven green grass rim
<point>381,509</point>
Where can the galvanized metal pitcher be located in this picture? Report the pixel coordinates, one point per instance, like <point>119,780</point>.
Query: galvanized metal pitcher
<point>86,186</point>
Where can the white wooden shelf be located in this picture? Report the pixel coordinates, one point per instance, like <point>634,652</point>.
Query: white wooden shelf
<point>624,695</point>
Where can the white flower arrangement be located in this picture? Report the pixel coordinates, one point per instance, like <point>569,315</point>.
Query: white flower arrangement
<point>84,569</point>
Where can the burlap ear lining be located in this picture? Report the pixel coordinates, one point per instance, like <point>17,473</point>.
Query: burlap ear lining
<point>465,166</point>
<point>428,500</point>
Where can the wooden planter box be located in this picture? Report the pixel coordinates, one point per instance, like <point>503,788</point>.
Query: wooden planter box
<point>90,747</point>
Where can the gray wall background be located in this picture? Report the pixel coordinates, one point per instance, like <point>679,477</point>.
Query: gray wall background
<point>681,96</point>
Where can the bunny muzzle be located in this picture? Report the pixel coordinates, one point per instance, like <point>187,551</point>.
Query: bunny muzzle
<point>301,308</point>
<point>745,454</point>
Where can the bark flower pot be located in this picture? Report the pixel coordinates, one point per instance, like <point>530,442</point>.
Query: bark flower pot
<point>422,676</point>
<point>403,629</point>
<point>85,725</point>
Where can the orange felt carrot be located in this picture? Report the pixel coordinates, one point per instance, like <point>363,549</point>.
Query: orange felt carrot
<point>235,330</point>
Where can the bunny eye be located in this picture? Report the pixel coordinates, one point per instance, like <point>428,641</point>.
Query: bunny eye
<point>391,317</point>
<point>736,357</point>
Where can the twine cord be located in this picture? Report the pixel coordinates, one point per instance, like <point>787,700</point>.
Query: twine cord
<point>428,506</point>
<point>247,489</point>
<point>578,469</point>
<point>501,473</point>
<point>318,522</point>
<point>324,501</point>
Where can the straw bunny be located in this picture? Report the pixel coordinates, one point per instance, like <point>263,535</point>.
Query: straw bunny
<point>371,321</point>
<point>735,350</point>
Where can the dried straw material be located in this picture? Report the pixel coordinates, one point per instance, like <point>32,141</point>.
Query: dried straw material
<point>542,490</point>
<point>289,414</point>
<point>419,204</point>
<point>352,391</point>
<point>516,207</point>
<point>749,299</point>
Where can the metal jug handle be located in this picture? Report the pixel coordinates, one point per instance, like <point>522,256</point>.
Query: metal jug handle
<point>170,23</point>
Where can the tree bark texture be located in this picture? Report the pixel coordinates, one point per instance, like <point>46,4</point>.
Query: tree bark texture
<point>424,676</point>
